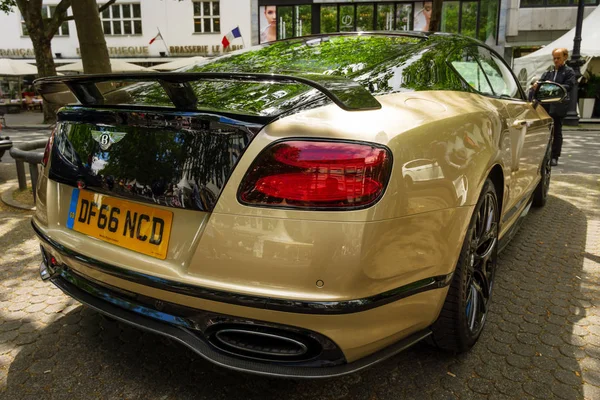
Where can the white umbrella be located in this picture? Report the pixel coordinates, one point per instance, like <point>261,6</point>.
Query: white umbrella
<point>182,63</point>
<point>16,67</point>
<point>115,64</point>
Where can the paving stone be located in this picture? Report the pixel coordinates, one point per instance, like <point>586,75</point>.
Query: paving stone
<point>575,340</point>
<point>522,349</point>
<point>518,361</point>
<point>592,377</point>
<point>8,336</point>
<point>551,339</point>
<point>590,363</point>
<point>537,390</point>
<point>26,338</point>
<point>568,377</point>
<point>567,392</point>
<point>10,325</point>
<point>591,392</point>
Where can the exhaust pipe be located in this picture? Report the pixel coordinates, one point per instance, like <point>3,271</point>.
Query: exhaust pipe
<point>44,272</point>
<point>261,343</point>
<point>48,266</point>
<point>264,343</point>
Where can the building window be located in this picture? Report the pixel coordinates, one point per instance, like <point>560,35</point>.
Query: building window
<point>47,12</point>
<point>468,23</point>
<point>207,17</point>
<point>474,18</point>
<point>122,19</point>
<point>450,16</point>
<point>329,18</point>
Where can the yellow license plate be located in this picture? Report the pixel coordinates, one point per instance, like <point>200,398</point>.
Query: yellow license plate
<point>123,223</point>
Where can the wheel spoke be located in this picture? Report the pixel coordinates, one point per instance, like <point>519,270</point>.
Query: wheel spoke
<point>473,307</point>
<point>489,234</point>
<point>484,216</point>
<point>489,215</point>
<point>481,297</point>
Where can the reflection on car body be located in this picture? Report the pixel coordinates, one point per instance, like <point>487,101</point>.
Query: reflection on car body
<point>422,170</point>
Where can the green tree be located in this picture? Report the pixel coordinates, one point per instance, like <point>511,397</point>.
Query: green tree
<point>41,30</point>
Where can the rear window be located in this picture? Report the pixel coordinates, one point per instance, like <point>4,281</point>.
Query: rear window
<point>381,64</point>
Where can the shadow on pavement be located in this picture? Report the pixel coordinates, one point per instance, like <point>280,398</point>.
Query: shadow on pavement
<point>535,342</point>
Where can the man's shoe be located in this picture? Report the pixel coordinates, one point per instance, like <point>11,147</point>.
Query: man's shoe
<point>554,162</point>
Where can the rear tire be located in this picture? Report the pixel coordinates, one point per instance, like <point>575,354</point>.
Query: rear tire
<point>540,195</point>
<point>464,312</point>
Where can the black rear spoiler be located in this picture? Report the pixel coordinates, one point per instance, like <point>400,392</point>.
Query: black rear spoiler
<point>347,94</point>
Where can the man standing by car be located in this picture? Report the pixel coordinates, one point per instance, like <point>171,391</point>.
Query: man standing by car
<point>564,75</point>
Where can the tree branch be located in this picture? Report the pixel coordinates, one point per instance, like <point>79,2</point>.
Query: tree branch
<point>105,6</point>
<point>100,10</point>
<point>56,20</point>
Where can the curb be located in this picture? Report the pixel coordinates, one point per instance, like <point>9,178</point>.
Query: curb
<point>27,127</point>
<point>7,198</point>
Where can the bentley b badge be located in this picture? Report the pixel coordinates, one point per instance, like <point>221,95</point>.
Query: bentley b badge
<point>107,139</point>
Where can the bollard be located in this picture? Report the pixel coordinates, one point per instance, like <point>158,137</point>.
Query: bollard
<point>33,173</point>
<point>21,174</point>
<point>26,153</point>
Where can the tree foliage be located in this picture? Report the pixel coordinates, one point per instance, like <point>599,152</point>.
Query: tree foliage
<point>381,64</point>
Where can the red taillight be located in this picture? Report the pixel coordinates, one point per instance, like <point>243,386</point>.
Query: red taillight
<point>48,148</point>
<point>317,174</point>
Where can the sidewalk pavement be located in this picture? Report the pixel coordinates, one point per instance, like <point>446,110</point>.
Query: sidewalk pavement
<point>542,339</point>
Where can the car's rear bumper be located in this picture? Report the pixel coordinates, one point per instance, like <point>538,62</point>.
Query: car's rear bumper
<point>193,329</point>
<point>341,337</point>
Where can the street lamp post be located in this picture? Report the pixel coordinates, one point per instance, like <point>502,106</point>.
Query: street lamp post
<point>576,62</point>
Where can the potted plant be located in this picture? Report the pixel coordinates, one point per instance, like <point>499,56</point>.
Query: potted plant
<point>590,91</point>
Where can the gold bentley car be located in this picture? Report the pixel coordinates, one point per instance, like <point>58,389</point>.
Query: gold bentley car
<point>302,208</point>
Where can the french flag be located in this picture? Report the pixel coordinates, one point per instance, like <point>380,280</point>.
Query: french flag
<point>227,39</point>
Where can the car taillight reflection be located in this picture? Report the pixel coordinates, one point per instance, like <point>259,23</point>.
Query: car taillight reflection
<point>48,149</point>
<point>317,175</point>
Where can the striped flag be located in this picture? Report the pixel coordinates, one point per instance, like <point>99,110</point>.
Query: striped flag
<point>227,39</point>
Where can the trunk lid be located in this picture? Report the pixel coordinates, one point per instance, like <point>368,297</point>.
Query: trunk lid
<point>177,160</point>
<point>140,180</point>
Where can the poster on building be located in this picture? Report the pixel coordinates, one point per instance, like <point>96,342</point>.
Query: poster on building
<point>422,16</point>
<point>268,23</point>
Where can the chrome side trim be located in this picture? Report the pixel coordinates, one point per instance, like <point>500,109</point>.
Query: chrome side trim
<point>293,306</point>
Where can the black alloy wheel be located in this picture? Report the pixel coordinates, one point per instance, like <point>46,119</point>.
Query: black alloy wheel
<point>540,195</point>
<point>465,310</point>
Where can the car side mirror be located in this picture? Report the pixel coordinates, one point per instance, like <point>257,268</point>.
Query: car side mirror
<point>550,92</point>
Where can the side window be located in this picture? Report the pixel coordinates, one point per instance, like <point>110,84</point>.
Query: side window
<point>502,81</point>
<point>469,69</point>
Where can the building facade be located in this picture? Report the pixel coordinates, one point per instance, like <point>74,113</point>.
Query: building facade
<point>187,28</point>
<point>530,24</point>
<point>196,27</point>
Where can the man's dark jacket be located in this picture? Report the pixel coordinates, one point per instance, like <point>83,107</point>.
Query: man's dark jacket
<point>566,77</point>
